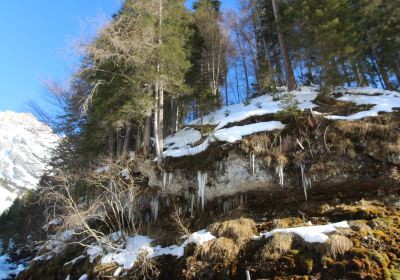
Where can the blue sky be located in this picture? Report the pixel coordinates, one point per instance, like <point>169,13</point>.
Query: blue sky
<point>34,40</point>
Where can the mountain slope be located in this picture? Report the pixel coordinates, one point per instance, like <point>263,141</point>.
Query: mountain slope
<point>25,144</point>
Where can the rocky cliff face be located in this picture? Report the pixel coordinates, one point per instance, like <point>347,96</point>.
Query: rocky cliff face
<point>25,145</point>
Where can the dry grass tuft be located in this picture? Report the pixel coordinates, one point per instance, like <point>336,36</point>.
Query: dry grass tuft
<point>145,267</point>
<point>338,245</point>
<point>276,246</point>
<point>220,250</point>
<point>281,159</point>
<point>362,210</point>
<point>287,222</point>
<point>239,230</point>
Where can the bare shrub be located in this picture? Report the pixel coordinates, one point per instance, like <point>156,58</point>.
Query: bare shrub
<point>102,202</point>
<point>145,267</point>
<point>276,246</point>
<point>220,250</point>
<point>181,224</point>
<point>239,230</point>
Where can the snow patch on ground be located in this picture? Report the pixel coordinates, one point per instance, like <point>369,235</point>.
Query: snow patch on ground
<point>310,234</point>
<point>139,244</point>
<point>9,269</point>
<point>187,150</point>
<point>382,101</point>
<point>185,141</point>
<point>55,244</point>
<point>236,133</point>
<point>258,106</point>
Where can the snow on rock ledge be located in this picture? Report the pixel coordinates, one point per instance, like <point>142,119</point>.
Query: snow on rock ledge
<point>382,101</point>
<point>310,234</point>
<point>236,133</point>
<point>140,244</point>
<point>258,106</point>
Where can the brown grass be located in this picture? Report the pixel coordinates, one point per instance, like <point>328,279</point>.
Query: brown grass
<point>276,246</point>
<point>287,222</point>
<point>259,144</point>
<point>364,210</point>
<point>338,245</point>
<point>145,267</point>
<point>220,250</point>
<point>239,230</point>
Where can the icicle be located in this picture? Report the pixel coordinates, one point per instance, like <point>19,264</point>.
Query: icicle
<point>202,181</point>
<point>164,178</point>
<point>253,159</point>
<point>154,204</point>
<point>227,206</point>
<point>279,172</point>
<point>306,182</point>
<point>170,177</point>
<point>191,205</point>
<point>221,168</point>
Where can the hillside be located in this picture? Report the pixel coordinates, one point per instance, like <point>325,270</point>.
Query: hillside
<point>200,141</point>
<point>254,188</point>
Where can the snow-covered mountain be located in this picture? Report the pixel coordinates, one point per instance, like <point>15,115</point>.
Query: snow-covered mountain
<point>25,145</point>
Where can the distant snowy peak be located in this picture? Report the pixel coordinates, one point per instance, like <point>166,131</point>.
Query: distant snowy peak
<point>25,146</point>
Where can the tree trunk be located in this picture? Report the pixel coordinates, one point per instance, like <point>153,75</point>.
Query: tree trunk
<point>156,123</point>
<point>138,145</point>
<point>161,120</point>
<point>127,141</point>
<point>237,83</point>
<point>111,144</point>
<point>383,73</point>
<point>226,89</point>
<point>159,99</point>
<point>362,79</point>
<point>278,67</point>
<point>176,117</point>
<point>290,81</point>
<point>172,114</point>
<point>244,65</point>
<point>146,137</point>
<point>377,62</point>
<point>119,144</point>
<point>346,74</point>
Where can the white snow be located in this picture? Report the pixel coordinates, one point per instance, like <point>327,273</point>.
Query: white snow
<point>25,146</point>
<point>183,143</point>
<point>94,252</point>
<point>125,173</point>
<point>382,101</point>
<point>103,169</point>
<point>236,133</point>
<point>310,234</point>
<point>186,141</point>
<point>258,106</point>
<point>9,269</point>
<point>140,244</point>
<point>55,244</point>
<point>54,222</point>
<point>187,150</point>
<point>182,138</point>
<point>83,277</point>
